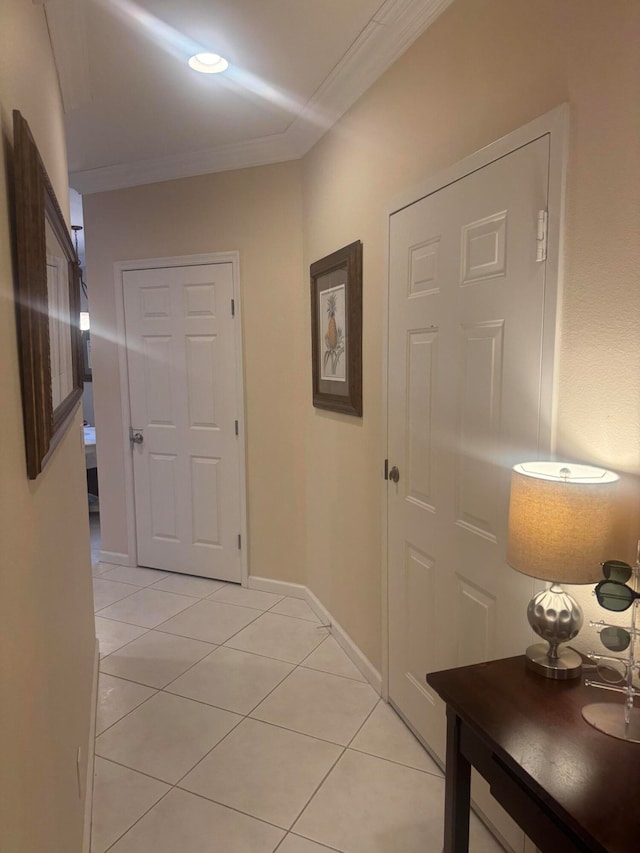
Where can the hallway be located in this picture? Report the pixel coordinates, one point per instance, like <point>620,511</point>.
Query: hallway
<point>229,720</point>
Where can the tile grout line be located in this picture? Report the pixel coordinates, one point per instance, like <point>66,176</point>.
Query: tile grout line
<point>345,749</point>
<point>161,689</point>
<point>268,657</point>
<point>382,758</point>
<point>134,770</point>
<point>106,576</point>
<point>231,808</point>
<point>165,689</point>
<point>176,786</point>
<point>146,631</point>
<point>117,601</point>
<point>196,600</point>
<point>436,775</point>
<point>284,678</point>
<point>165,634</point>
<point>129,828</point>
<point>124,716</point>
<point>255,618</point>
<point>212,597</point>
<point>235,633</point>
<point>135,624</point>
<point>317,788</point>
<point>218,707</point>
<point>119,621</point>
<point>331,769</point>
<point>294,731</point>
<point>133,586</point>
<point>168,693</point>
<point>295,667</point>
<point>315,619</point>
<point>243,717</point>
<point>216,646</point>
<point>295,835</point>
<point>284,829</point>
<point>338,757</point>
<point>246,716</point>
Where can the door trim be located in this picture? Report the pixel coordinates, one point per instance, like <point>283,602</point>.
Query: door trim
<point>119,268</point>
<point>555,123</point>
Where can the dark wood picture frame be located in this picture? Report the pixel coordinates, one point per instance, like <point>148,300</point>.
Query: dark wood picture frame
<point>336,330</point>
<point>41,235</point>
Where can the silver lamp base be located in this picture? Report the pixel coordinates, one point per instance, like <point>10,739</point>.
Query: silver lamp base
<point>608,717</point>
<point>568,664</point>
<point>557,618</point>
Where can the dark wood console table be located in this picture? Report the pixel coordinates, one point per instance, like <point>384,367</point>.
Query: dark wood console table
<point>570,787</point>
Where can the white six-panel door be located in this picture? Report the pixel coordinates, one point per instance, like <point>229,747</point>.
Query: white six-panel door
<point>181,351</point>
<point>464,400</point>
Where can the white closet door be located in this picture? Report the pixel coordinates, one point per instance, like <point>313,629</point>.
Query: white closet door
<point>465,354</point>
<point>181,349</point>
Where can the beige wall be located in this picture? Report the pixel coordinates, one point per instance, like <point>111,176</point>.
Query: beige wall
<point>485,68</point>
<point>257,212</point>
<point>46,614</point>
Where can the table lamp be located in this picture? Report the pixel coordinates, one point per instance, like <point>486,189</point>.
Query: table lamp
<point>560,520</point>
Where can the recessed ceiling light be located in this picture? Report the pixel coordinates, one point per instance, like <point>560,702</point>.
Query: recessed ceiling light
<point>208,63</point>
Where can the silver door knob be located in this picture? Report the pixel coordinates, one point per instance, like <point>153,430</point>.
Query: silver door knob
<point>135,437</point>
<point>394,474</point>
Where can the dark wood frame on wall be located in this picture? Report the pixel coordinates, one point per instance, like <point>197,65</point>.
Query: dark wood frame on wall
<point>343,267</point>
<point>35,206</point>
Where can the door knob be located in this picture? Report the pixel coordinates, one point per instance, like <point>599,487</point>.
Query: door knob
<point>394,474</point>
<point>135,437</point>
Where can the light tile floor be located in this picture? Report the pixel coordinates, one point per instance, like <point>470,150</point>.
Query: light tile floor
<point>230,721</point>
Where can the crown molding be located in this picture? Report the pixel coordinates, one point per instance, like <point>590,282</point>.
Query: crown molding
<point>393,29</point>
<point>395,26</point>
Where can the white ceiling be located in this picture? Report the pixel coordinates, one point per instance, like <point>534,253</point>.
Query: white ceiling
<point>136,113</point>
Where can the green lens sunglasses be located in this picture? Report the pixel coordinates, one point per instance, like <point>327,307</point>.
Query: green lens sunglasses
<point>615,595</point>
<point>617,570</point>
<point>615,639</point>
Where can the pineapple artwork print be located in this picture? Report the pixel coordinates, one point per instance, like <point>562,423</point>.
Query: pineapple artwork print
<point>332,320</point>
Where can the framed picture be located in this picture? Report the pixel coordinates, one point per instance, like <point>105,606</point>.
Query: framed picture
<point>336,330</point>
<point>48,305</point>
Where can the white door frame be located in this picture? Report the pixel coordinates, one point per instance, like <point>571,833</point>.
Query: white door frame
<point>556,124</point>
<point>119,268</point>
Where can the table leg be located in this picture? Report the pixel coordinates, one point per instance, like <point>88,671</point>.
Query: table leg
<point>457,790</point>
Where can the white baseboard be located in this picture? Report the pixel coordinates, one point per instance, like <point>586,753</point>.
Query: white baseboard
<point>88,787</point>
<point>294,590</point>
<point>353,652</point>
<point>116,558</point>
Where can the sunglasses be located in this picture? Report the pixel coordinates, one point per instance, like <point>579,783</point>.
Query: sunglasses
<point>617,570</point>
<point>614,638</point>
<point>615,595</point>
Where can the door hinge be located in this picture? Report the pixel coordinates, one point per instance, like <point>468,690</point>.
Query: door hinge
<point>239,542</point>
<point>233,307</point>
<point>237,428</point>
<point>386,469</point>
<point>541,235</point>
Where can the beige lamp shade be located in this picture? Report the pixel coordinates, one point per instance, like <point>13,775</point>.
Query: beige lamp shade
<point>560,520</point>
